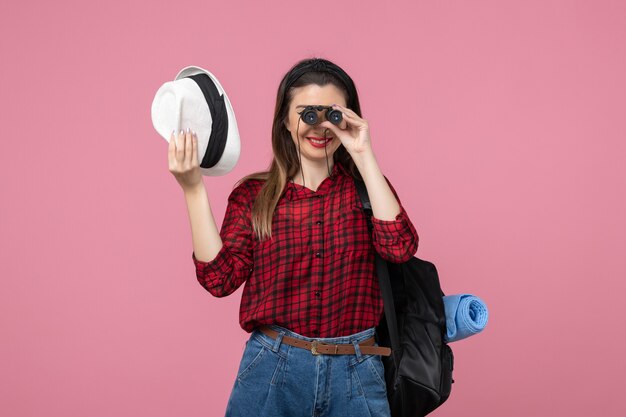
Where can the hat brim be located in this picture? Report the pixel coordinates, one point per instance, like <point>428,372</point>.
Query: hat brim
<point>233,144</point>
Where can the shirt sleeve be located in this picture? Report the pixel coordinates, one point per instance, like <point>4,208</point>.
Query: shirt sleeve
<point>232,265</point>
<point>395,240</point>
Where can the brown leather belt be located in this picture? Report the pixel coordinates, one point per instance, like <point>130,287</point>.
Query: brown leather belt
<point>366,346</point>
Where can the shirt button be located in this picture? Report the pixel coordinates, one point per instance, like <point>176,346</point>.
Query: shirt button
<point>317,293</point>
<point>316,332</point>
<point>317,254</point>
<point>318,222</point>
<point>319,196</point>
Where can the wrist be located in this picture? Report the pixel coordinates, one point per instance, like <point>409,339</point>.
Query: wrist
<point>194,189</point>
<point>366,163</point>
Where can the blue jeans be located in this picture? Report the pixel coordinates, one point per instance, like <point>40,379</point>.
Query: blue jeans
<point>275,379</point>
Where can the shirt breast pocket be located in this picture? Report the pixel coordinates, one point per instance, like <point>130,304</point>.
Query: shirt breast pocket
<point>350,231</point>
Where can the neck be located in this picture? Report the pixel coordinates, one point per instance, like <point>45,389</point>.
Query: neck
<point>314,173</point>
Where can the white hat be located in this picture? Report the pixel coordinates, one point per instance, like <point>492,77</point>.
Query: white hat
<point>196,100</point>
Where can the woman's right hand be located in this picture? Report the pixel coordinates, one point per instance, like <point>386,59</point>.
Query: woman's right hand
<point>182,155</point>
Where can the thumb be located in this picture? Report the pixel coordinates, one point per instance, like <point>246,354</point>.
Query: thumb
<point>329,126</point>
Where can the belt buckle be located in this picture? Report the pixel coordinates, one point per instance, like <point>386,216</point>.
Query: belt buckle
<point>314,348</point>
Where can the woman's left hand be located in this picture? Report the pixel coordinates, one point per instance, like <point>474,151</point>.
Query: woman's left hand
<point>356,136</point>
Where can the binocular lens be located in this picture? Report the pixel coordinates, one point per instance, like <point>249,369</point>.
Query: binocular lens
<point>335,117</point>
<point>309,116</point>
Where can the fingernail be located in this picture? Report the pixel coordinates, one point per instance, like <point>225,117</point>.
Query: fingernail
<point>181,132</point>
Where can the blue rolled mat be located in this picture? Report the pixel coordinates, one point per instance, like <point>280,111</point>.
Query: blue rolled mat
<point>466,315</point>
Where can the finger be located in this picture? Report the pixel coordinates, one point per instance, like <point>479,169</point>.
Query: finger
<point>171,149</point>
<point>347,111</point>
<point>353,121</point>
<point>350,117</point>
<point>171,144</point>
<point>194,150</point>
<point>188,147</point>
<point>180,146</point>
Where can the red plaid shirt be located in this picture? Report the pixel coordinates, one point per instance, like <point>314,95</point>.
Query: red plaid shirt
<point>316,276</point>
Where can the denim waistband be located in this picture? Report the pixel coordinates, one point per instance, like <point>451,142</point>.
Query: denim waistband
<point>358,337</point>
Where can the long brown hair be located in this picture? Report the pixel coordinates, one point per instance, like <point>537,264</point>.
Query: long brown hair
<point>285,162</point>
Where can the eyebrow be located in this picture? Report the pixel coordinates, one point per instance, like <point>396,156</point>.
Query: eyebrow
<point>310,105</point>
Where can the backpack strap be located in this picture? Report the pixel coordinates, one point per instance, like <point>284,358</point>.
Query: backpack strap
<point>382,272</point>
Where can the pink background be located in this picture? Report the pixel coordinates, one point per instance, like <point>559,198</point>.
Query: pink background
<point>500,124</point>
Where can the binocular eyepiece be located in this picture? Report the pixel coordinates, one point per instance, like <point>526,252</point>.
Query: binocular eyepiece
<point>309,115</point>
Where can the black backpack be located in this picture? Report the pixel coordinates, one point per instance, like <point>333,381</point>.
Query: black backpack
<point>419,370</point>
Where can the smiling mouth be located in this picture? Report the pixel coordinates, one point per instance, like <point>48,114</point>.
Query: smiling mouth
<point>319,141</point>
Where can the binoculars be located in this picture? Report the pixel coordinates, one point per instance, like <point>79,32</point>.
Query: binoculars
<point>309,115</point>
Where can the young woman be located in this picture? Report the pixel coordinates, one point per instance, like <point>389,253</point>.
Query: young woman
<point>297,237</point>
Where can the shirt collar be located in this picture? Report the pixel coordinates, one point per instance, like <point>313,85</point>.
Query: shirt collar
<point>296,192</point>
